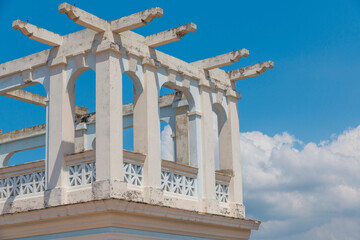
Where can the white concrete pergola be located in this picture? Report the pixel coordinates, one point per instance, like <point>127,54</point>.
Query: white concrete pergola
<point>111,49</point>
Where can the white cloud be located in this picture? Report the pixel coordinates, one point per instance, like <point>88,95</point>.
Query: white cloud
<point>311,192</point>
<point>302,194</point>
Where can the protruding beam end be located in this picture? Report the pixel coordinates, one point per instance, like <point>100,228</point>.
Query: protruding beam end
<point>135,20</point>
<point>150,14</point>
<point>38,34</point>
<point>250,71</point>
<point>169,36</point>
<point>83,18</point>
<point>222,60</point>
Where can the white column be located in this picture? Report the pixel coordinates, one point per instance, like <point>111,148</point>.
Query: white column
<point>60,135</point>
<point>207,167</point>
<point>109,140</point>
<point>230,158</point>
<point>147,130</point>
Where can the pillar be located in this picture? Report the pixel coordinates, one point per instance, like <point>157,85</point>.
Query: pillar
<point>60,140</point>
<point>207,164</point>
<point>182,135</point>
<point>109,135</point>
<point>230,157</point>
<point>147,130</point>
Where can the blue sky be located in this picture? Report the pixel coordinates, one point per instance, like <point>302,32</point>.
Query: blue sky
<point>312,94</point>
<point>313,90</point>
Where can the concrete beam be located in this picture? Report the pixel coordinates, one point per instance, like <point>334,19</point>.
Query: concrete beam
<point>83,18</point>
<point>38,34</point>
<point>170,35</point>
<point>37,99</point>
<point>221,60</point>
<point>135,20</point>
<point>250,71</point>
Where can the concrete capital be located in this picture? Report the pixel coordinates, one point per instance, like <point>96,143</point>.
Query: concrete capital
<point>108,46</point>
<point>54,62</point>
<point>194,113</point>
<point>230,93</point>
<point>132,62</point>
<point>151,62</point>
<point>27,76</point>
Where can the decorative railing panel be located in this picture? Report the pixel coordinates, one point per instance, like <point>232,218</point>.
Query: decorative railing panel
<point>222,186</point>
<point>178,178</point>
<point>222,192</point>
<point>176,183</point>
<point>81,174</point>
<point>133,173</point>
<point>82,168</point>
<point>22,179</point>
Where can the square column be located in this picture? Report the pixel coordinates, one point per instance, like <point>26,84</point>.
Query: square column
<point>147,130</point>
<point>60,135</point>
<point>109,132</point>
<point>182,135</point>
<point>207,165</point>
<point>230,157</point>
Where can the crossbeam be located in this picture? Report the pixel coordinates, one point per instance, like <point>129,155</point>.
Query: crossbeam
<point>38,34</point>
<point>135,20</point>
<point>221,60</point>
<point>250,71</point>
<point>169,36</point>
<point>37,99</point>
<point>83,18</point>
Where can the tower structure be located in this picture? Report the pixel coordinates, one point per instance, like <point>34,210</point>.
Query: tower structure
<point>88,187</point>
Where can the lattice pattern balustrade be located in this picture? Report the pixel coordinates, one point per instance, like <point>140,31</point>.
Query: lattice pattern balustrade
<point>222,192</point>
<point>177,183</point>
<point>133,173</point>
<point>81,174</point>
<point>22,184</point>
<point>85,173</point>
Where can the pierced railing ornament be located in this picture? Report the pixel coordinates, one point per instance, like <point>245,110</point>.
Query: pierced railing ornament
<point>222,192</point>
<point>81,174</point>
<point>177,183</point>
<point>133,174</point>
<point>22,185</point>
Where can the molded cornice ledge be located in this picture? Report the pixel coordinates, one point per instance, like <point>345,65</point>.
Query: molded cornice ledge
<point>221,60</point>
<point>38,34</point>
<point>169,36</point>
<point>250,71</point>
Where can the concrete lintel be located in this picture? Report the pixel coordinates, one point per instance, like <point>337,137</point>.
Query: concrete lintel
<point>38,34</point>
<point>37,99</point>
<point>250,71</point>
<point>222,60</point>
<point>135,20</point>
<point>170,35</point>
<point>83,18</point>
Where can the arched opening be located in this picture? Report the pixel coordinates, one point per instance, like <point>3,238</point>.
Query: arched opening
<point>220,118</point>
<point>167,132</point>
<point>23,125</point>
<point>167,141</point>
<point>26,155</point>
<point>128,93</point>
<point>82,93</point>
